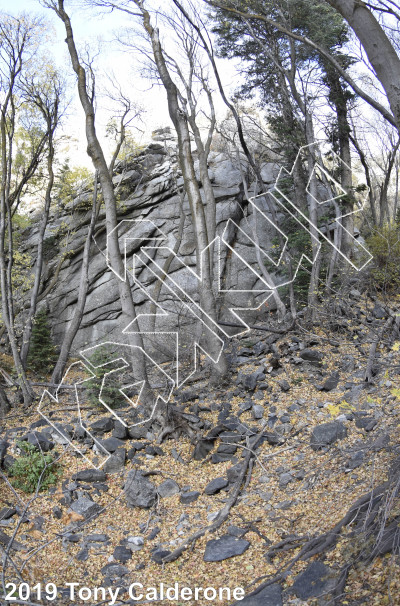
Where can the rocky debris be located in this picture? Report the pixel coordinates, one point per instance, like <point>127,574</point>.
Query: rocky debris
<point>114,571</point>
<point>284,385</point>
<point>15,546</point>
<point>234,472</point>
<point>102,426</point>
<point>83,554</point>
<point>285,479</point>
<point>41,440</point>
<point>139,491</point>
<point>120,431</point>
<point>225,547</point>
<point>216,486</point>
<point>189,497</point>
<point>116,461</point>
<point>158,555</point>
<point>326,434</point>
<point>168,488</point>
<point>355,460</point>
<point>6,513</point>
<point>90,475</point>
<point>311,355</point>
<point>135,543</point>
<point>258,411</point>
<point>331,382</point>
<point>316,580</point>
<point>85,507</point>
<point>269,596</point>
<point>122,554</point>
<point>367,423</point>
<point>111,444</point>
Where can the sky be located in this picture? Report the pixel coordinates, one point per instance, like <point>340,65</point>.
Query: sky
<point>99,31</point>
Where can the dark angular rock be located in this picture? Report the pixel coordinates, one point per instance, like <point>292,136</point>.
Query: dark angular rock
<point>379,313</point>
<point>215,486</point>
<point>7,512</point>
<point>137,433</point>
<point>326,434</point>
<point>237,532</point>
<point>85,507</point>
<point>120,431</point>
<point>41,440</point>
<point>122,554</point>
<point>313,582</point>
<point>356,460</point>
<point>111,444</point>
<point>90,475</point>
<point>102,426</point>
<point>269,596</point>
<point>83,554</point>
<point>139,491</point>
<point>116,462</point>
<point>311,355</point>
<point>220,457</point>
<point>225,547</point>
<point>159,555</point>
<point>258,411</point>
<point>234,472</point>
<point>227,449</point>
<point>284,385</point>
<point>203,448</point>
<point>39,423</point>
<point>114,571</point>
<point>189,497</point>
<point>168,488</point>
<point>368,423</point>
<point>8,462</point>
<point>331,382</point>
<point>154,451</point>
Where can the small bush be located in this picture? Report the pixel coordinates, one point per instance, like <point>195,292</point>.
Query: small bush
<point>110,393</point>
<point>384,245</point>
<point>28,469</point>
<point>42,351</point>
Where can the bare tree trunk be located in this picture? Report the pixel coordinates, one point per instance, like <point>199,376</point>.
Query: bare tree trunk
<point>4,403</point>
<point>180,122</point>
<point>26,337</point>
<point>363,160</point>
<point>380,51</point>
<point>313,214</point>
<point>96,154</point>
<point>6,224</point>
<point>82,294</point>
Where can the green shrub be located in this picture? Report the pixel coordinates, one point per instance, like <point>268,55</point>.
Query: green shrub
<point>34,467</point>
<point>42,351</point>
<point>384,245</point>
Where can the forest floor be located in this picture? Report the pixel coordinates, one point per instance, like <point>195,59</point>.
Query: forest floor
<point>295,490</point>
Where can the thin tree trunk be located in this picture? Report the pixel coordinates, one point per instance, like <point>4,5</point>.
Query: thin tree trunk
<point>39,260</point>
<point>96,154</point>
<point>180,122</point>
<point>82,294</point>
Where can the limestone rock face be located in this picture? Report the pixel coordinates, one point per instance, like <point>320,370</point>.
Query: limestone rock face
<point>148,187</point>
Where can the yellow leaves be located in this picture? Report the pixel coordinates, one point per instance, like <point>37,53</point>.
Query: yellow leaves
<point>396,346</point>
<point>395,392</point>
<point>336,409</point>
